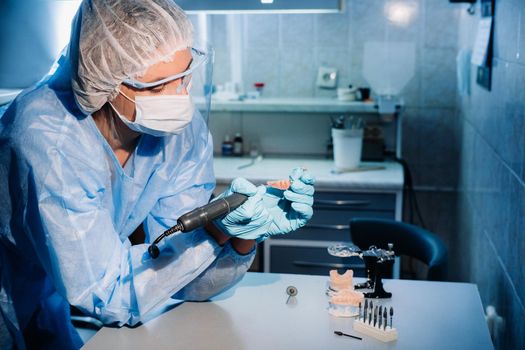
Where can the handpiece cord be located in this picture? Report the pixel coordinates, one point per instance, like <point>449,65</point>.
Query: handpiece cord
<point>153,249</point>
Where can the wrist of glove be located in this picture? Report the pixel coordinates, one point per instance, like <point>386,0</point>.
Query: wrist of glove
<point>250,220</point>
<point>290,209</point>
<point>269,211</point>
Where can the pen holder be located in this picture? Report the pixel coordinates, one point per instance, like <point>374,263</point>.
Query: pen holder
<point>347,148</point>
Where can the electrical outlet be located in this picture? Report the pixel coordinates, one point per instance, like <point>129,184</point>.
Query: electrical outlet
<point>327,78</point>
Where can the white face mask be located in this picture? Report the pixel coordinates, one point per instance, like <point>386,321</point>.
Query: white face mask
<point>160,115</point>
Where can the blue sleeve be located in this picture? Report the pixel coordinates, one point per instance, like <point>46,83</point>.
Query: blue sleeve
<point>98,272</point>
<point>71,230</point>
<point>192,187</point>
<point>228,269</point>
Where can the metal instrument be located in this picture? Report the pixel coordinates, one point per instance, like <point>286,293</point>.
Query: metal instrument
<point>200,217</point>
<point>377,262</point>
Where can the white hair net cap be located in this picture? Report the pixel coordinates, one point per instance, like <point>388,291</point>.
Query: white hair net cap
<point>112,40</point>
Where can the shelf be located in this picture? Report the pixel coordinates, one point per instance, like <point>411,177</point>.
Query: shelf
<point>388,179</point>
<point>291,105</point>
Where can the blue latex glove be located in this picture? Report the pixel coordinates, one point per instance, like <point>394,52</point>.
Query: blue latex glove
<point>249,221</point>
<point>290,209</point>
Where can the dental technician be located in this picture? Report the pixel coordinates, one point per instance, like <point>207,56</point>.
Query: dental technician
<point>111,147</point>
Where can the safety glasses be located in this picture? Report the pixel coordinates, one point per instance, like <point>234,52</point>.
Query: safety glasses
<point>199,58</point>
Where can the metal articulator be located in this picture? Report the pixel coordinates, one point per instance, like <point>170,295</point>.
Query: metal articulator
<point>378,263</point>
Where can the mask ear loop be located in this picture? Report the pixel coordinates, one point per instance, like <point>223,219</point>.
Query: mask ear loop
<point>185,84</point>
<point>126,96</point>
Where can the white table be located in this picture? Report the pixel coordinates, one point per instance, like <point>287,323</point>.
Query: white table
<point>254,315</point>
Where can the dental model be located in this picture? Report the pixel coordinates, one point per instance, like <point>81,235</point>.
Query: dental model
<point>347,297</point>
<point>346,303</point>
<point>279,184</point>
<point>340,282</point>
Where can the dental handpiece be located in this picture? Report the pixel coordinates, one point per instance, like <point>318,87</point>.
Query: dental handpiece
<point>200,217</point>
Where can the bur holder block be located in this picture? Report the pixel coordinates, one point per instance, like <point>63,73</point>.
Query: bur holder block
<point>385,335</point>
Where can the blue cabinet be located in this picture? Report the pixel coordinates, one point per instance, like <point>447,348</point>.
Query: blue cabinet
<point>305,251</point>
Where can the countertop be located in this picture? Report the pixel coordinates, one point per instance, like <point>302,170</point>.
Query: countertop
<point>292,105</point>
<point>254,315</point>
<point>389,179</point>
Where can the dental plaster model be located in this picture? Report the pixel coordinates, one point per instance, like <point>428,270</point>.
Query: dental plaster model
<point>339,282</point>
<point>345,303</point>
<point>279,184</point>
<point>347,297</point>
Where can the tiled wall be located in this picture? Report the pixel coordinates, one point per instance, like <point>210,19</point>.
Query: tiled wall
<point>492,181</point>
<point>285,52</point>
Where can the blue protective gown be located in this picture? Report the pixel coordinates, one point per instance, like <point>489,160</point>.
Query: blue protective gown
<point>67,208</point>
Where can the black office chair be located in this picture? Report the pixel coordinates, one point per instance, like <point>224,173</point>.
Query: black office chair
<point>409,240</point>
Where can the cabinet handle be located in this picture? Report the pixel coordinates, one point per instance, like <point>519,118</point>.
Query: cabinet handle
<point>329,227</point>
<point>330,265</point>
<point>347,203</point>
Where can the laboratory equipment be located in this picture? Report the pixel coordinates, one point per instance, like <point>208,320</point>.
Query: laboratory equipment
<point>253,160</point>
<point>344,300</point>
<point>345,303</point>
<point>347,141</point>
<point>347,94</point>
<point>227,146</point>
<point>292,292</point>
<point>259,87</point>
<point>338,122</point>
<point>279,184</point>
<point>388,67</point>
<point>377,262</point>
<point>339,333</point>
<point>376,325</point>
<point>347,136</point>
<point>200,217</point>
<point>339,282</point>
<point>363,94</point>
<point>237,145</point>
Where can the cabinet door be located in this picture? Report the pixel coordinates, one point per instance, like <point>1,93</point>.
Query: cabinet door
<point>333,211</point>
<point>311,261</point>
<point>355,201</point>
<point>332,225</point>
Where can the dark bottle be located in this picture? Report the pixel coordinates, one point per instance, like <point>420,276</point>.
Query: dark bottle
<point>237,145</point>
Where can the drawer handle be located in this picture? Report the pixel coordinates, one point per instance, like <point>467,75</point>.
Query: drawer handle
<point>330,265</point>
<point>329,227</point>
<point>348,203</point>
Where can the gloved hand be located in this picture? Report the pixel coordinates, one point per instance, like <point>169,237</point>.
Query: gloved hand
<point>249,221</point>
<point>290,209</point>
